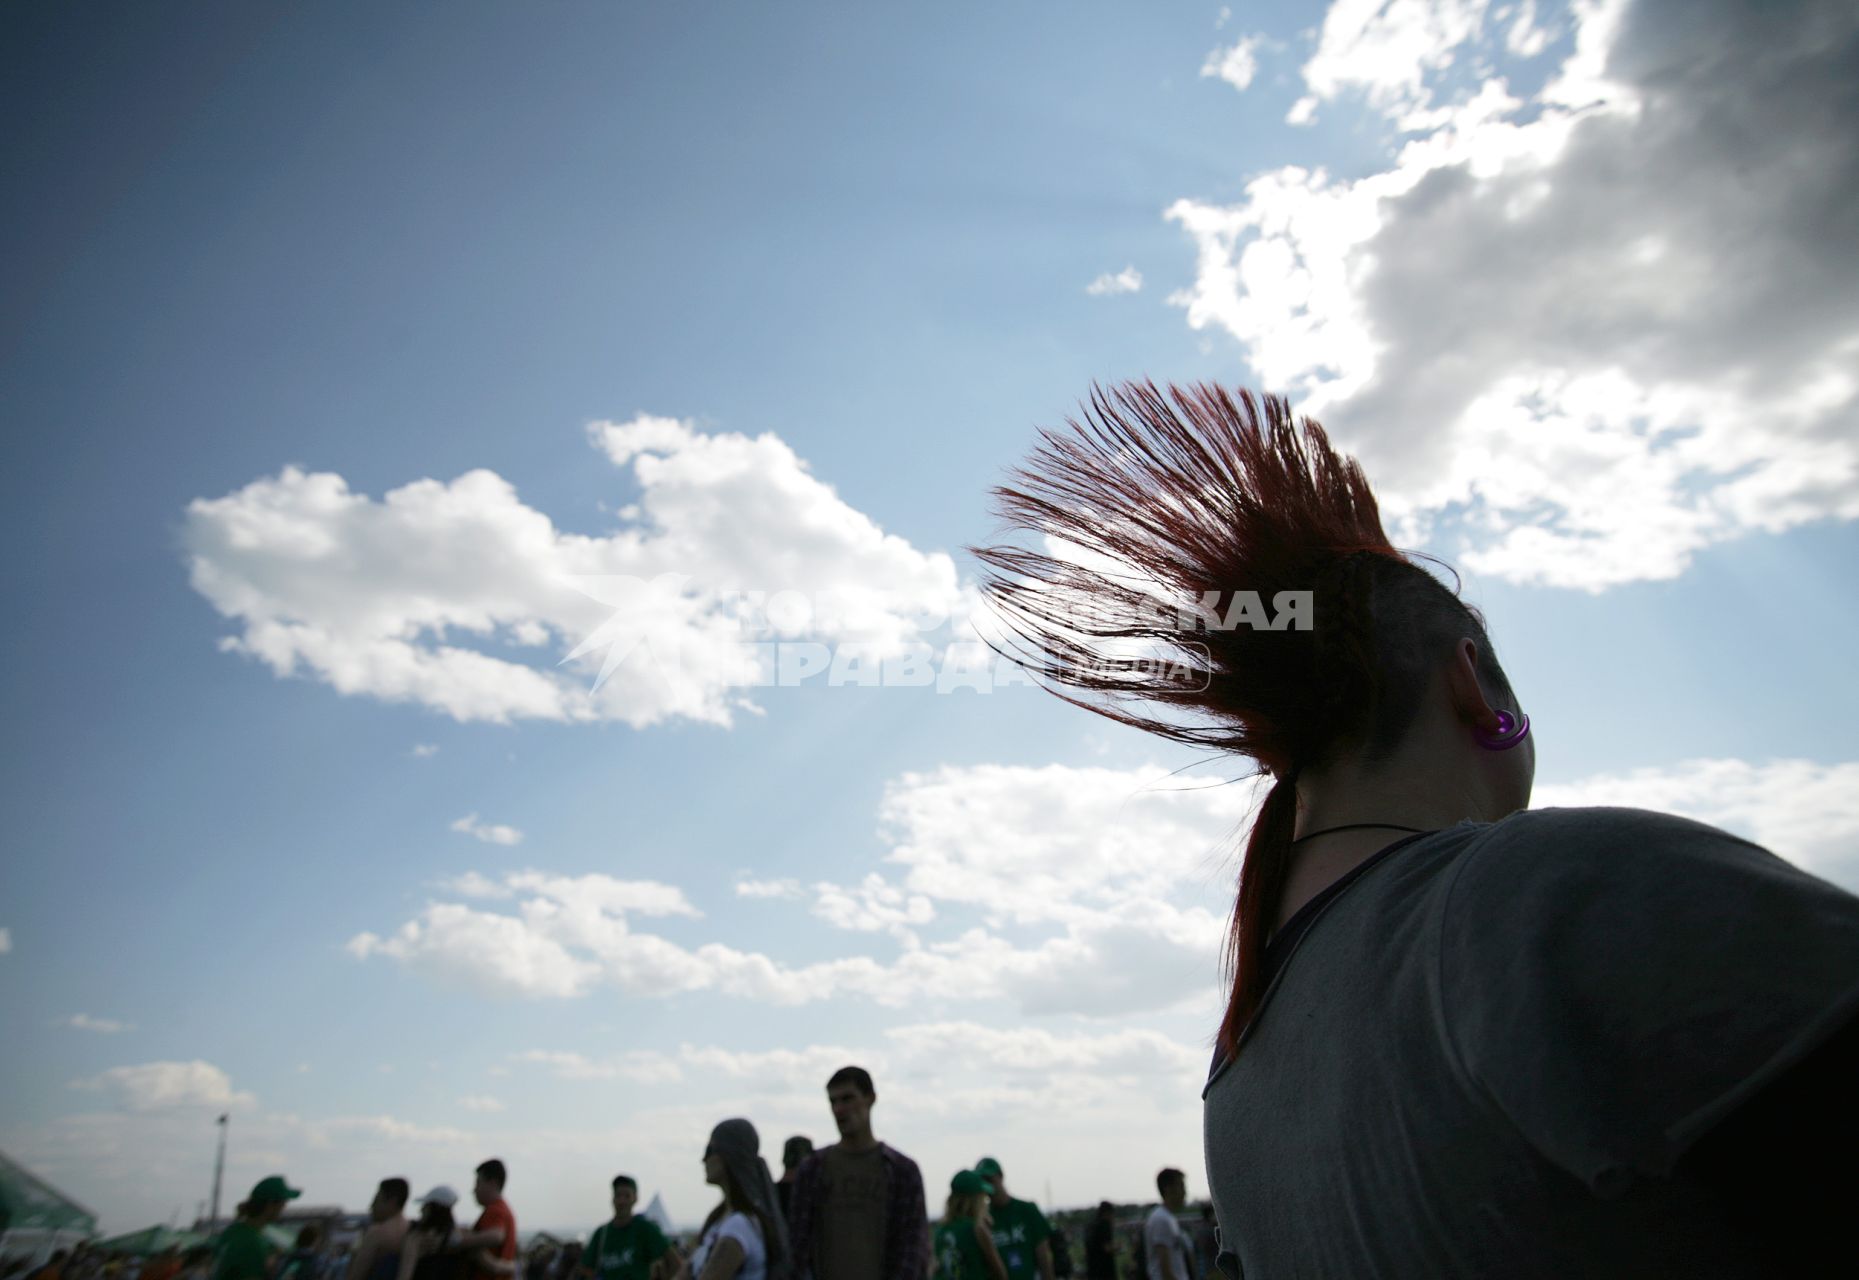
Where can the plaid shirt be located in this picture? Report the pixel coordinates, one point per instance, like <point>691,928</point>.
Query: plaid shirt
<point>906,1219</point>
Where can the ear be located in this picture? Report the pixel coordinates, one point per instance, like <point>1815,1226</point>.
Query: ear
<point>1468,696</point>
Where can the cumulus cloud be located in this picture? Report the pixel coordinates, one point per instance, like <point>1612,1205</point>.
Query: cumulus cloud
<point>163,1086</point>
<point>480,1103</point>
<point>1106,876</point>
<point>949,1049</point>
<point>1128,280</point>
<point>459,597</point>
<point>490,833</point>
<point>1806,812</point>
<point>474,884</point>
<point>752,888</point>
<point>873,906</point>
<point>425,750</point>
<point>639,1066</point>
<point>1057,843</point>
<point>1583,331</point>
<point>6,941</point>
<point>940,1083</point>
<point>1388,50</point>
<point>129,1161</point>
<point>103,1026</point>
<point>1236,64</point>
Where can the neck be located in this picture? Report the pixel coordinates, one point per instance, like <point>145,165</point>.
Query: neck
<point>621,1219</point>
<point>861,1140</point>
<point>1344,796</point>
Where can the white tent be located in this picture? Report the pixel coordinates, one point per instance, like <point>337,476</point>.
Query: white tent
<point>656,1212</point>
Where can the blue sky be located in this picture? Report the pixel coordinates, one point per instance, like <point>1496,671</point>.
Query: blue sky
<point>309,321</point>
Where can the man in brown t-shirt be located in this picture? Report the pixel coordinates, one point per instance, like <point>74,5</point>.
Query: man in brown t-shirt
<point>856,1210</point>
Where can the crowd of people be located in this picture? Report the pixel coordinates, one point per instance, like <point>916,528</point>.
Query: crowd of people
<point>853,1210</point>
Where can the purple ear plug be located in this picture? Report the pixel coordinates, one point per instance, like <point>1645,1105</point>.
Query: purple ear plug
<point>1510,731</point>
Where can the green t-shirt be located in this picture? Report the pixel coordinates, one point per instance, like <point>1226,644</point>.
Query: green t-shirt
<point>242,1253</point>
<point>1019,1226</point>
<point>624,1253</point>
<point>958,1253</point>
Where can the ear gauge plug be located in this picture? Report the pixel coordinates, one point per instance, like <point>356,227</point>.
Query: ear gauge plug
<point>1510,731</point>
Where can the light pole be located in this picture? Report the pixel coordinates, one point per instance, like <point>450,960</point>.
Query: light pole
<point>219,1168</point>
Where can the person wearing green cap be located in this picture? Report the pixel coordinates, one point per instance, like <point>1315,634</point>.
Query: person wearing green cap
<point>1020,1229</point>
<point>243,1252</point>
<point>963,1246</point>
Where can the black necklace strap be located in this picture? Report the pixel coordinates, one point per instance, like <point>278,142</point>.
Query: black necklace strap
<point>1358,826</point>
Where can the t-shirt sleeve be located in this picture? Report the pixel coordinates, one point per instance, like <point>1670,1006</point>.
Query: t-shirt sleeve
<point>1619,981</point>
<point>1036,1226</point>
<point>655,1242</point>
<point>737,1227</point>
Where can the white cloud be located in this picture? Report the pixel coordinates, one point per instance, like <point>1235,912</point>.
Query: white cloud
<point>488,832</point>
<point>1387,49</point>
<point>1585,332</point>
<point>495,953</point>
<point>1134,1054</point>
<point>480,1103</point>
<point>475,885</point>
<point>1058,843</point>
<point>161,1086</point>
<point>104,1026</point>
<point>752,888</point>
<point>873,906</point>
<point>940,1083</point>
<point>126,1164</point>
<point>1526,37</point>
<point>1235,65</point>
<point>1120,877</point>
<point>952,1048</point>
<point>6,941</point>
<point>459,597</point>
<point>640,1066</point>
<point>425,750</point>
<point>1128,280</point>
<point>1806,812</point>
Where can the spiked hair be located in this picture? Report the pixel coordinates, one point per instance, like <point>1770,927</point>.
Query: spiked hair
<point>1169,515</point>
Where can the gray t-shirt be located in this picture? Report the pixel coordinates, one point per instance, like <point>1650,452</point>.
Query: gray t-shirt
<point>1484,1056</point>
<point>850,1242</point>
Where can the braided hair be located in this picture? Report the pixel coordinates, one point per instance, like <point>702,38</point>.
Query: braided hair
<point>1166,517</point>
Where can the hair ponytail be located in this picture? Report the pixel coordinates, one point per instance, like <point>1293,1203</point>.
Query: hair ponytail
<point>1261,884</point>
<point>1164,514</point>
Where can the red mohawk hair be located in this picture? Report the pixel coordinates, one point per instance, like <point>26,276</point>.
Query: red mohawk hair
<point>1162,506</point>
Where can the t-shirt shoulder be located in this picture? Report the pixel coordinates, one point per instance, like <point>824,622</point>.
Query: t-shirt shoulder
<point>744,1230</point>
<point>1162,1227</point>
<point>1620,980</point>
<point>1037,1228</point>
